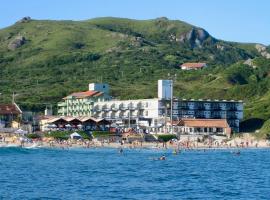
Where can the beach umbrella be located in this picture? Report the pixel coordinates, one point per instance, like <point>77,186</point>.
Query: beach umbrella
<point>75,135</point>
<point>114,125</point>
<point>79,126</point>
<point>52,126</point>
<point>67,125</point>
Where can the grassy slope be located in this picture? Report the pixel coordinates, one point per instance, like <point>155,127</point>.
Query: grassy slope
<point>60,57</point>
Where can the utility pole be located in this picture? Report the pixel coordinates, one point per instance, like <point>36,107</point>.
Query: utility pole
<point>165,119</point>
<point>172,107</point>
<point>129,114</point>
<point>171,85</point>
<point>13,98</point>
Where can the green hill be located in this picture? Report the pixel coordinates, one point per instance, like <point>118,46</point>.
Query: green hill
<point>42,61</point>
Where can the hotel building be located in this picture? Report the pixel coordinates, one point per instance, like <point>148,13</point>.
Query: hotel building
<point>152,113</point>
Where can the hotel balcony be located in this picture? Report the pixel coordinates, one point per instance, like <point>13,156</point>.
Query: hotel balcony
<point>182,107</point>
<point>96,109</point>
<point>112,115</point>
<point>215,108</point>
<point>62,111</point>
<point>200,107</point>
<point>88,102</point>
<point>105,108</point>
<point>232,115</point>
<point>62,104</point>
<point>114,108</point>
<point>140,107</point>
<point>132,107</point>
<point>232,108</point>
<point>134,116</point>
<point>98,116</point>
<point>123,107</point>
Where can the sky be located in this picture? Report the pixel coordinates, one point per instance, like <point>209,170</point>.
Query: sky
<point>231,20</point>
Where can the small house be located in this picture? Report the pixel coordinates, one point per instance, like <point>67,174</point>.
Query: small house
<point>8,114</point>
<point>193,66</point>
<point>202,126</point>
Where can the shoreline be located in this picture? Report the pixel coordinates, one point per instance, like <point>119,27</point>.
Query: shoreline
<point>145,145</point>
<point>243,142</point>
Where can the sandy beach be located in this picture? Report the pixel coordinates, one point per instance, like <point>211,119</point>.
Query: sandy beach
<point>246,141</point>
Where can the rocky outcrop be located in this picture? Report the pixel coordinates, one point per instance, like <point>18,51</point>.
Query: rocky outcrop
<point>137,41</point>
<point>250,63</point>
<point>24,19</point>
<point>16,43</point>
<point>195,37</point>
<point>262,50</point>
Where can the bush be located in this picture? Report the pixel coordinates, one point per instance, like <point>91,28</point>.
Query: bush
<point>33,136</point>
<point>166,137</point>
<point>84,135</point>
<point>64,135</point>
<point>100,133</point>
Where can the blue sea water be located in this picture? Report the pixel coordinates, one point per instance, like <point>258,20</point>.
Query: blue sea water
<point>106,174</point>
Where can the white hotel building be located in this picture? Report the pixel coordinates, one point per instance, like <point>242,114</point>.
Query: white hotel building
<point>148,112</point>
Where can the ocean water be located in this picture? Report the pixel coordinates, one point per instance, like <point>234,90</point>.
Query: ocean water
<point>106,174</point>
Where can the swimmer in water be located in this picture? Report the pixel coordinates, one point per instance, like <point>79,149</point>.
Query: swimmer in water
<point>162,158</point>
<point>120,150</point>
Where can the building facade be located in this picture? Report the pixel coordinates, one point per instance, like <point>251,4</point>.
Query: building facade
<point>210,109</point>
<point>148,112</point>
<point>130,112</point>
<point>81,103</point>
<point>202,126</point>
<point>9,114</point>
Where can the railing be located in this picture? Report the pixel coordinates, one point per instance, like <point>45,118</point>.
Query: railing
<point>62,111</point>
<point>114,108</point>
<point>123,108</point>
<point>140,107</point>
<point>132,107</point>
<point>62,104</point>
<point>232,108</point>
<point>106,109</point>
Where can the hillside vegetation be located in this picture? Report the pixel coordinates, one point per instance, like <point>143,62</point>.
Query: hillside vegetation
<point>42,61</point>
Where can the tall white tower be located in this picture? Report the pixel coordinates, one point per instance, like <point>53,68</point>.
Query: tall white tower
<point>165,89</point>
<point>101,87</point>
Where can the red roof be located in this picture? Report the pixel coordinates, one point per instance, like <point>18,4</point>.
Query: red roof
<point>6,109</point>
<point>90,93</point>
<point>194,65</point>
<point>190,122</point>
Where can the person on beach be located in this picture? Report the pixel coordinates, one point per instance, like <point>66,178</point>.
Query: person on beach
<point>22,141</point>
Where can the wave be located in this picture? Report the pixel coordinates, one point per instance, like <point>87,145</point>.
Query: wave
<point>13,149</point>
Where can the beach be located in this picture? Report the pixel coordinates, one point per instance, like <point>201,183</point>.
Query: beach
<point>246,141</point>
